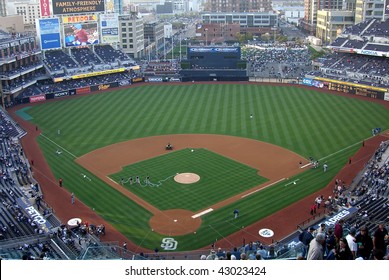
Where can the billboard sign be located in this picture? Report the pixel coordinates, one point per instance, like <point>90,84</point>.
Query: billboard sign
<point>109,6</point>
<point>63,7</point>
<point>48,33</point>
<point>307,81</point>
<point>45,8</point>
<point>37,98</point>
<point>213,50</point>
<point>79,18</point>
<point>81,34</point>
<point>109,26</point>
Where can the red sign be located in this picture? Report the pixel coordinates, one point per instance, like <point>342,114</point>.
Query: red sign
<point>45,8</point>
<point>37,98</point>
<point>83,90</point>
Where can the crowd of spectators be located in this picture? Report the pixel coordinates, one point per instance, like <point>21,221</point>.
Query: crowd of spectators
<point>378,28</point>
<point>370,70</point>
<point>57,59</point>
<point>277,60</point>
<point>49,86</point>
<point>85,56</point>
<point>109,54</point>
<point>23,81</point>
<point>160,67</point>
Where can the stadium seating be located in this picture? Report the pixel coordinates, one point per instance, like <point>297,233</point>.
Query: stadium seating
<point>85,57</point>
<point>57,60</point>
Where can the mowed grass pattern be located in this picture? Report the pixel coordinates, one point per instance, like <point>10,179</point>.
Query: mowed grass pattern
<point>310,123</point>
<point>220,178</point>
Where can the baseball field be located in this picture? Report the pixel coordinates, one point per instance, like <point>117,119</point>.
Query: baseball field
<point>240,146</point>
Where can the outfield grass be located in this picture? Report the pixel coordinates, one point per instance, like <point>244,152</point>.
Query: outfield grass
<point>220,178</point>
<point>309,123</point>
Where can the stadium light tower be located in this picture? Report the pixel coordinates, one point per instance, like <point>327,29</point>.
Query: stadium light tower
<point>180,47</point>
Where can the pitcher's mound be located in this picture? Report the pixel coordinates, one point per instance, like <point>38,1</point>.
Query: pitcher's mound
<point>186,178</point>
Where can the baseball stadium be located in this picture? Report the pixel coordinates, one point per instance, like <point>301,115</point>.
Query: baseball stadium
<point>203,161</point>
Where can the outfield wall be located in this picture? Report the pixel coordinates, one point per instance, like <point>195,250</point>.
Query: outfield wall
<point>196,76</point>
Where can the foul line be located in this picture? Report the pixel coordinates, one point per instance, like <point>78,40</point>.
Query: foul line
<point>276,182</point>
<point>58,145</point>
<point>293,182</point>
<point>330,155</point>
<point>202,213</point>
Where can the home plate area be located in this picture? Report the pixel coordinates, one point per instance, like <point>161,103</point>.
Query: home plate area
<point>186,178</point>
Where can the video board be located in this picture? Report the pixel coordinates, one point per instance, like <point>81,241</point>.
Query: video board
<point>109,28</point>
<point>49,33</point>
<point>81,34</point>
<point>63,7</point>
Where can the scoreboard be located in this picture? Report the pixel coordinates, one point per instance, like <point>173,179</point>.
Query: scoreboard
<point>353,88</point>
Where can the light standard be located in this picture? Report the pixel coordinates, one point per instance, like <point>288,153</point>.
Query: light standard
<point>206,36</point>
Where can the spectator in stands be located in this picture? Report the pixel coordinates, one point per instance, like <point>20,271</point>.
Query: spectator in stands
<point>316,251</point>
<point>235,252</point>
<point>351,241</point>
<point>212,255</point>
<point>330,242</point>
<point>243,256</point>
<point>378,254</point>
<point>380,238</point>
<point>322,228</point>
<point>338,232</point>
<point>306,237</point>
<point>365,243</point>
<point>221,254</point>
<point>342,251</point>
<point>262,251</point>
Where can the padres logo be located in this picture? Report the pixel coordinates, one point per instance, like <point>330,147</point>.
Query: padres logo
<point>265,232</point>
<point>169,244</point>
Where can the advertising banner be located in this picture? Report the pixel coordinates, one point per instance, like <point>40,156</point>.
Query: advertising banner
<point>81,34</point>
<point>213,50</point>
<point>98,73</point>
<point>37,98</point>
<point>154,79</point>
<point>371,52</point>
<point>124,83</point>
<point>79,18</point>
<point>34,214</point>
<point>317,84</point>
<point>104,86</point>
<point>386,96</point>
<point>48,33</point>
<point>62,7</point>
<point>83,90</point>
<point>109,24</point>
<point>307,81</point>
<point>45,8</point>
<point>109,6</point>
<point>61,94</point>
<point>137,80</point>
